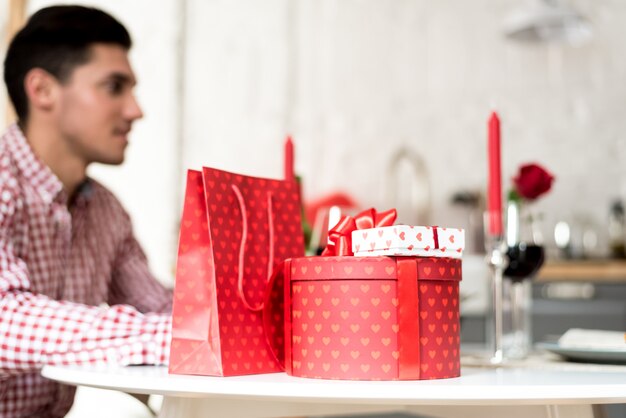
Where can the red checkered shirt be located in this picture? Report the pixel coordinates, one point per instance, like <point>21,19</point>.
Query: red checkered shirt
<point>58,266</point>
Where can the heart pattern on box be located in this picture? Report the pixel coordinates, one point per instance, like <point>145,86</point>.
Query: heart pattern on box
<point>213,332</point>
<point>344,318</point>
<point>343,330</point>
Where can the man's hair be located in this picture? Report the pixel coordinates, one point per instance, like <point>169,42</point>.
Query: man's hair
<point>57,39</point>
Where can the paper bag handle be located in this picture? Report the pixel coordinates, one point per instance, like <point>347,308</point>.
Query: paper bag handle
<point>242,246</point>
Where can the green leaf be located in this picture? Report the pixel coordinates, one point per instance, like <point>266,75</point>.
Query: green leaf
<point>514,196</point>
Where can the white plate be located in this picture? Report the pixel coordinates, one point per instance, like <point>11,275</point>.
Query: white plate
<point>587,355</point>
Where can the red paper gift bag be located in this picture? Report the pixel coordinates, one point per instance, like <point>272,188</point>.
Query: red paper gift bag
<point>235,230</point>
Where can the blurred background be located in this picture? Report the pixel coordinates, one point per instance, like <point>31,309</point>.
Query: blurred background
<point>358,83</point>
<point>380,97</point>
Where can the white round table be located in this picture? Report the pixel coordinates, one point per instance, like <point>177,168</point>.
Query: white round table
<point>505,392</point>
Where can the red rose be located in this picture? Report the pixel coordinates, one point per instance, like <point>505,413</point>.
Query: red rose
<point>532,181</point>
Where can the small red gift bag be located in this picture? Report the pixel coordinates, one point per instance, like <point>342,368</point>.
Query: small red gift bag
<point>235,231</point>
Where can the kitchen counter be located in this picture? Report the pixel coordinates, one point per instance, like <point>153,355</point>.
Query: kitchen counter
<point>611,271</point>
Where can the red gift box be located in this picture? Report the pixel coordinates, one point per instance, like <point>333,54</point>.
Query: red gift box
<point>374,318</point>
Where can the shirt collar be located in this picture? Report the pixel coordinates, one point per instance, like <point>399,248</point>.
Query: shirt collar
<point>38,174</point>
<point>83,194</point>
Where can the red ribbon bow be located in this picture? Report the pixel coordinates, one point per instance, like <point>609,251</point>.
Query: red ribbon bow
<point>340,236</point>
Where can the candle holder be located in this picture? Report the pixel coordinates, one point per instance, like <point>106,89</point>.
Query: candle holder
<point>497,261</point>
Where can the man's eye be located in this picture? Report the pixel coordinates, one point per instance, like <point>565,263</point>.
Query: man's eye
<point>114,87</point>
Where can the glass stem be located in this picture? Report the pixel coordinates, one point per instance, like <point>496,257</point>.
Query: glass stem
<point>517,293</point>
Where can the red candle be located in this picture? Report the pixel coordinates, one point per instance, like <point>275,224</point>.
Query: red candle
<point>494,199</point>
<point>289,174</point>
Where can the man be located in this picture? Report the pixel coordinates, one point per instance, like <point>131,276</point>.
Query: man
<point>66,243</point>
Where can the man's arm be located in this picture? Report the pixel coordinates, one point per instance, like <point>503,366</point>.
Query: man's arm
<point>36,330</point>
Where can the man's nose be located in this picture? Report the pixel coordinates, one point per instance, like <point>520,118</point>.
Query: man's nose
<point>132,110</point>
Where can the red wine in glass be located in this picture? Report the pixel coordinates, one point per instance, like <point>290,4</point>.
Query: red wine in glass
<point>524,261</point>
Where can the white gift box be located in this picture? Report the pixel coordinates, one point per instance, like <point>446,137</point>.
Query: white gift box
<point>405,240</point>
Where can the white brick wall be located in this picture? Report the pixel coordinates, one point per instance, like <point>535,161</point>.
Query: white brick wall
<point>367,77</point>
<point>353,81</point>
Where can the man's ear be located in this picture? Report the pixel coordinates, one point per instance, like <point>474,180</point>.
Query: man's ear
<point>41,89</point>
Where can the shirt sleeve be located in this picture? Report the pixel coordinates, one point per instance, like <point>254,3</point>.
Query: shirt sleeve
<point>132,282</point>
<point>36,330</point>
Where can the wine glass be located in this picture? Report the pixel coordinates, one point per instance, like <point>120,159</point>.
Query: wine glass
<point>526,255</point>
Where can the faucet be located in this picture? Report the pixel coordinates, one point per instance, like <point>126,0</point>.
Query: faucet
<point>407,187</point>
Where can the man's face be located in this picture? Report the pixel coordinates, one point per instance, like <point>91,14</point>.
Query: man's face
<point>97,106</point>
